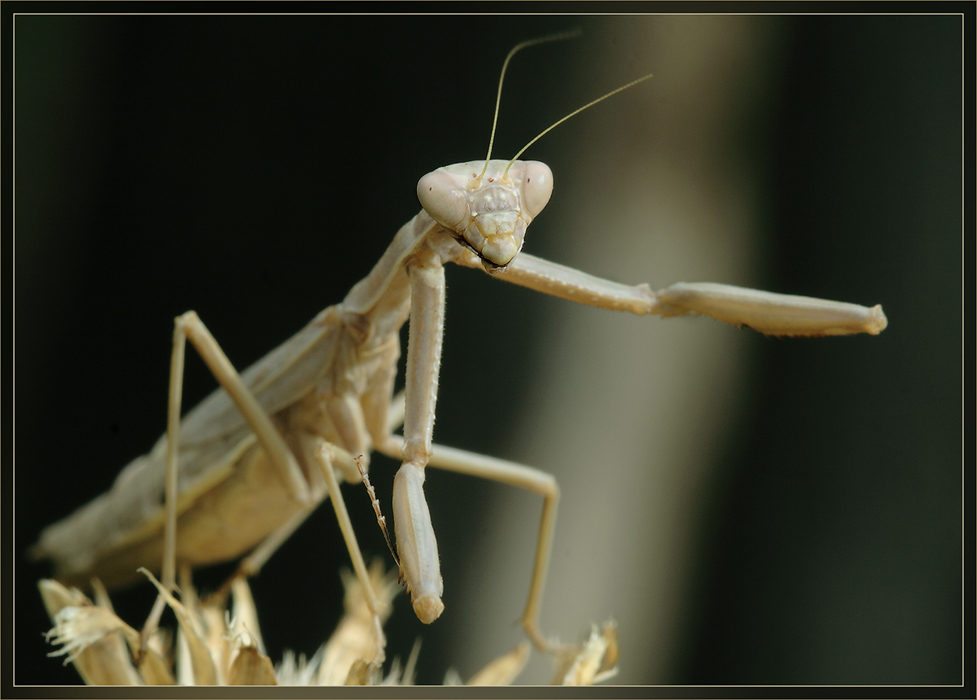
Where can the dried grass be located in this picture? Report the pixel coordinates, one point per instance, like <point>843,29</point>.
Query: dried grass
<point>218,642</point>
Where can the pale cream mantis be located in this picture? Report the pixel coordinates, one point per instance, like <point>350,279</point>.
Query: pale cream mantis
<point>329,391</point>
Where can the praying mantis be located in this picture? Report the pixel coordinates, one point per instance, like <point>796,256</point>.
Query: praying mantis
<point>359,337</point>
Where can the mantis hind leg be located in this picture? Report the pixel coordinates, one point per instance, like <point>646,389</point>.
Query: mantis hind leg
<point>189,326</point>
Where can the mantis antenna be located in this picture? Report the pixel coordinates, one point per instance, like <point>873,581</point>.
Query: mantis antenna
<point>498,97</point>
<point>572,114</point>
<point>573,33</point>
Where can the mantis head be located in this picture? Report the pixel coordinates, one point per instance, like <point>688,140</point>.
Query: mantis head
<point>487,206</point>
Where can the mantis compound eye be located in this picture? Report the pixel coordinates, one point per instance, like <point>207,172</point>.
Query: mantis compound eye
<point>537,186</point>
<point>443,200</point>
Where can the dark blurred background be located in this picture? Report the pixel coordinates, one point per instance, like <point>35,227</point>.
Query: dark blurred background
<point>797,504</point>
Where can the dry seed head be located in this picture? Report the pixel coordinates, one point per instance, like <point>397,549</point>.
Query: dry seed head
<point>219,648</point>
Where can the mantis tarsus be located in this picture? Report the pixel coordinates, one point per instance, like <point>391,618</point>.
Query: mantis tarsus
<point>325,397</point>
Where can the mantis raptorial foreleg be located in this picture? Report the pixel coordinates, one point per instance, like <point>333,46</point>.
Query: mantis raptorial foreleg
<point>314,448</point>
<point>766,312</point>
<point>416,542</point>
